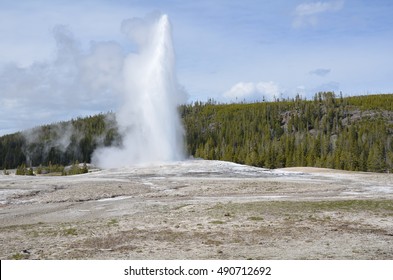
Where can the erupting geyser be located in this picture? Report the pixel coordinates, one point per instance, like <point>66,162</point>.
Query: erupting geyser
<point>148,119</point>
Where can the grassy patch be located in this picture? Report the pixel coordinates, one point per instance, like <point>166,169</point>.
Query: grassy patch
<point>350,205</point>
<point>217,222</point>
<point>113,222</point>
<point>18,256</point>
<point>291,207</point>
<point>70,231</point>
<point>181,206</point>
<point>212,242</point>
<point>255,218</point>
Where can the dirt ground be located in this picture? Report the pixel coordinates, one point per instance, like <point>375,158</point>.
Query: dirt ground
<point>198,209</point>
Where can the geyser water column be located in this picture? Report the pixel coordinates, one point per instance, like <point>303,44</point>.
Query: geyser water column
<point>148,118</point>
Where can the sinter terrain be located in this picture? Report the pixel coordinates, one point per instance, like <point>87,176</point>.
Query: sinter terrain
<point>198,210</point>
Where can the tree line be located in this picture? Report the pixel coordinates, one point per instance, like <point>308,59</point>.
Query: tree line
<point>59,144</point>
<point>351,133</point>
<point>329,131</point>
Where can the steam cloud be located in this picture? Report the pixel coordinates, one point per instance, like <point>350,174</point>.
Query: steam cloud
<point>75,82</point>
<point>141,86</point>
<point>148,119</point>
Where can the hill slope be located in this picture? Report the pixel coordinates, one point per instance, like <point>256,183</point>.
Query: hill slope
<point>343,133</point>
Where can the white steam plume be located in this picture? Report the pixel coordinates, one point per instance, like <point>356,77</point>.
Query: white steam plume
<point>148,119</point>
<point>75,82</point>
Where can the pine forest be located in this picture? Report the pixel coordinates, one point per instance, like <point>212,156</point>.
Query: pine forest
<point>348,133</point>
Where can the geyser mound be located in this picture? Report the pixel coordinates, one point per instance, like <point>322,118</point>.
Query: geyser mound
<point>148,118</point>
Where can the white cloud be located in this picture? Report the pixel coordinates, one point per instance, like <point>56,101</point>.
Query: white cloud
<point>320,72</point>
<point>307,13</point>
<point>250,92</point>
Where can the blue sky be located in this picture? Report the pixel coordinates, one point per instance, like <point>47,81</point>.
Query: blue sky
<point>226,50</point>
